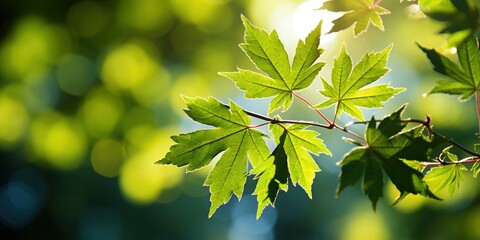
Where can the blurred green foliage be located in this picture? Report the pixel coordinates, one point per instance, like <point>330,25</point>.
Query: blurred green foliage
<point>90,92</point>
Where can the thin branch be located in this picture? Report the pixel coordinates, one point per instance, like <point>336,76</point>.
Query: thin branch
<point>428,125</point>
<point>457,145</point>
<point>273,120</point>
<point>375,4</point>
<point>312,107</point>
<point>440,163</point>
<point>344,129</point>
<point>330,123</point>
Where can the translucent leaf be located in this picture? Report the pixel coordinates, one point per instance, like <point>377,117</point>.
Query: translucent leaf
<point>267,52</point>
<point>231,136</point>
<point>347,88</point>
<point>359,13</point>
<point>466,76</point>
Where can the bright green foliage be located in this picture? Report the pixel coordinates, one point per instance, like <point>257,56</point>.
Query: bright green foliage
<point>448,175</point>
<point>294,144</point>
<point>359,12</point>
<point>272,176</point>
<point>232,136</point>
<point>460,17</point>
<point>267,52</point>
<point>347,88</point>
<point>445,176</point>
<point>476,167</point>
<point>466,76</point>
<point>387,145</point>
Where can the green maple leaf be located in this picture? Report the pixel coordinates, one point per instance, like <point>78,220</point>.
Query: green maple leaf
<point>449,175</point>
<point>476,166</point>
<point>386,150</point>
<point>460,17</point>
<point>292,152</point>
<point>268,54</point>
<point>272,176</point>
<point>359,12</point>
<point>232,136</point>
<point>347,88</point>
<point>445,176</point>
<point>466,76</point>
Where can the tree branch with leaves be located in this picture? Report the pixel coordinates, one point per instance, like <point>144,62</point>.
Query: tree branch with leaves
<point>408,155</point>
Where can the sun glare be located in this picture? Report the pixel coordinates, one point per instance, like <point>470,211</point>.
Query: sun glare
<point>308,14</point>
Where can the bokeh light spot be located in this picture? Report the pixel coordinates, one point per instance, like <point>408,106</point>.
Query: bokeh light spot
<point>146,15</point>
<point>363,223</point>
<point>128,66</point>
<point>153,90</point>
<point>189,84</point>
<point>59,141</point>
<point>18,205</point>
<point>75,74</point>
<point>14,120</point>
<point>308,15</point>
<point>107,157</point>
<point>203,13</point>
<point>32,47</point>
<point>141,181</point>
<point>101,112</point>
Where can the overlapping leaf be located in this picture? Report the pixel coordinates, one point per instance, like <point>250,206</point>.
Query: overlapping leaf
<point>232,136</point>
<point>388,147</point>
<point>268,54</point>
<point>294,144</point>
<point>347,87</point>
<point>460,17</point>
<point>466,76</point>
<point>359,12</point>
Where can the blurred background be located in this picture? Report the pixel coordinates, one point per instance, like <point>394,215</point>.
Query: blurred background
<point>90,92</point>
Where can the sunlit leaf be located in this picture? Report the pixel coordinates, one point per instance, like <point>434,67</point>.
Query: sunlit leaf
<point>347,89</point>
<point>232,136</point>
<point>459,17</point>
<point>466,76</point>
<point>359,13</point>
<point>445,176</point>
<point>268,54</point>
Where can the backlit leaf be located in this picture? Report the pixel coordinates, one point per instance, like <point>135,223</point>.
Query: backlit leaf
<point>231,136</point>
<point>445,176</point>
<point>359,13</point>
<point>347,89</point>
<point>268,54</point>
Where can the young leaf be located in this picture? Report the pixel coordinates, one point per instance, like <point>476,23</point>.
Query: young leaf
<point>232,136</point>
<point>445,176</point>
<point>475,169</point>
<point>347,87</point>
<point>466,76</point>
<point>359,12</point>
<point>476,166</point>
<point>268,54</point>
<point>386,152</point>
